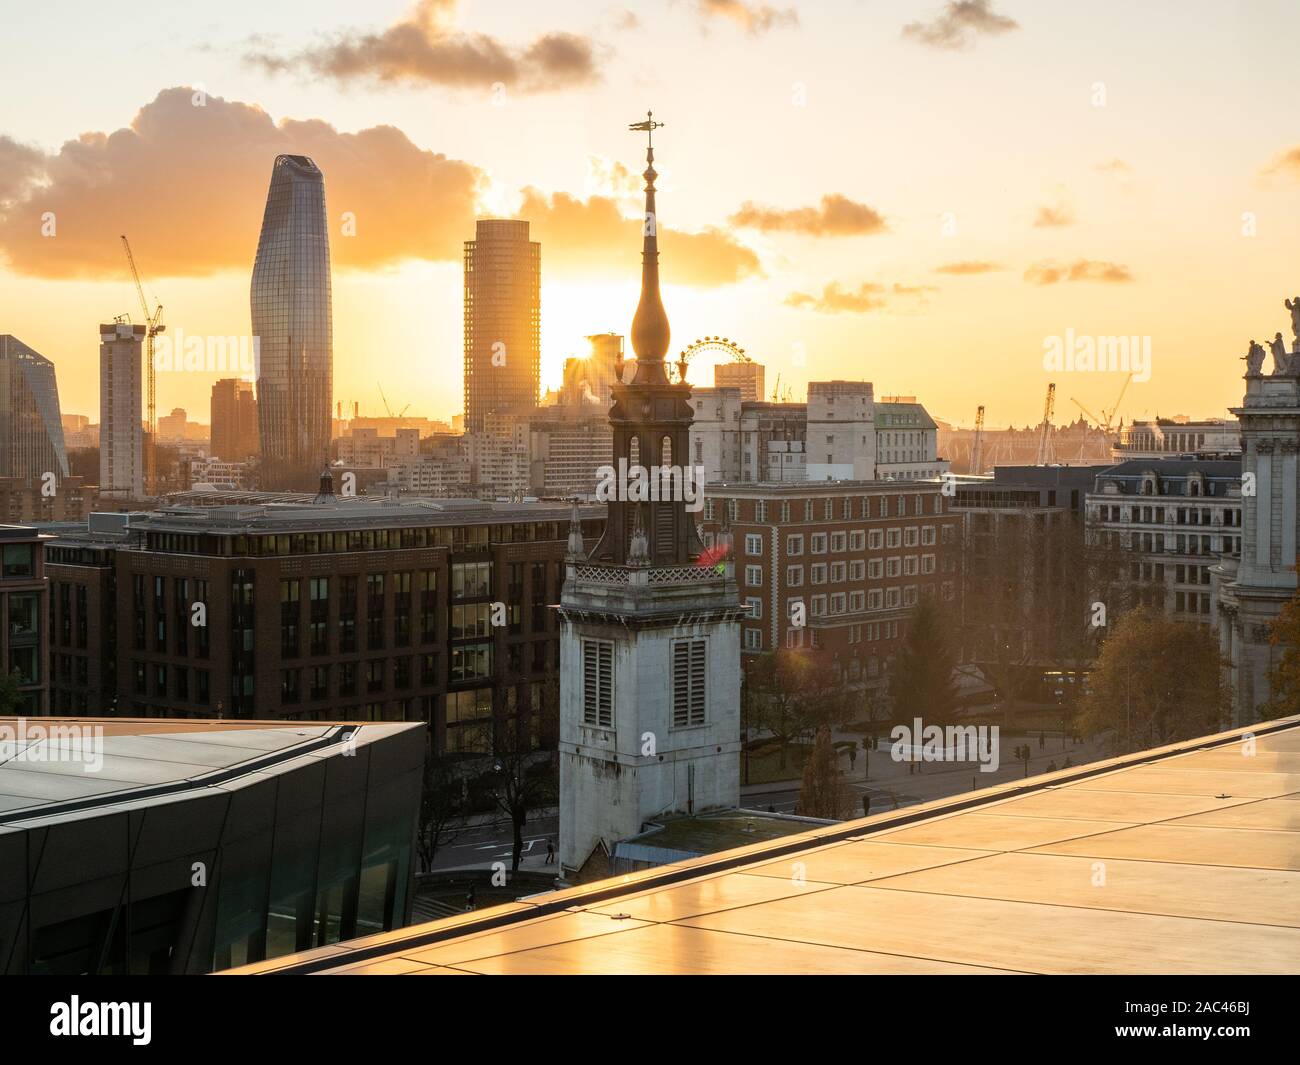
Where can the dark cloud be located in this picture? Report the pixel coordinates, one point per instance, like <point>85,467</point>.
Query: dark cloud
<point>967,267</point>
<point>592,236</point>
<point>959,24</point>
<point>837,216</point>
<point>425,49</point>
<point>755,18</point>
<point>1049,273</point>
<point>188,184</point>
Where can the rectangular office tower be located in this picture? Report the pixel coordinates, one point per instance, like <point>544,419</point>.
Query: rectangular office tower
<point>234,420</point>
<point>292,326</point>
<point>121,437</point>
<point>503,348</point>
<point>31,426</point>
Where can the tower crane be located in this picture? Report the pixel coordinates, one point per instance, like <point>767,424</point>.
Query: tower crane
<point>977,448</point>
<point>154,326</point>
<point>1044,440</point>
<point>389,409</point>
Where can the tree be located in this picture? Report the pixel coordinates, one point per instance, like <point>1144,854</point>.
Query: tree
<point>442,806</point>
<point>921,680</point>
<point>521,778</point>
<point>823,792</point>
<point>1156,682</point>
<point>789,693</point>
<point>10,697</point>
<point>1285,633</point>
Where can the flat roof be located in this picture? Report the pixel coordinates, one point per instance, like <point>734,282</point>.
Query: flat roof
<point>56,769</point>
<point>1184,859</point>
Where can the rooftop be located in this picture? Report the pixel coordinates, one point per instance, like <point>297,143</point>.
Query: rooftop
<point>59,769</point>
<point>1184,859</point>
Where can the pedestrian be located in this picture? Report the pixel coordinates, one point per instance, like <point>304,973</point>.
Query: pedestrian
<point>1051,766</point>
<point>1042,741</point>
<point>866,805</point>
<point>550,852</point>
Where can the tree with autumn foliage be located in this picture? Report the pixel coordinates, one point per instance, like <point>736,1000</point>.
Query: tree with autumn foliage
<point>823,792</point>
<point>1156,682</point>
<point>1284,634</point>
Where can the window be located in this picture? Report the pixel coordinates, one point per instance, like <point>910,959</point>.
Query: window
<point>875,539</point>
<point>598,683</point>
<point>688,683</point>
<point>753,640</point>
<point>755,607</point>
<point>875,599</point>
<point>857,540</point>
<point>794,545</point>
<point>857,570</point>
<point>753,575</point>
<point>838,603</point>
<point>837,572</point>
<point>910,535</point>
<point>927,563</point>
<point>19,560</point>
<point>875,569</point>
<point>753,544</point>
<point>818,574</point>
<point>857,602</point>
<point>818,544</point>
<point>818,605</point>
<point>893,537</point>
<point>893,567</point>
<point>794,576</point>
<point>910,565</point>
<point>927,535</point>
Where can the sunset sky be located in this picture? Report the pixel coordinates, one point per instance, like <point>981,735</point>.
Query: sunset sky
<point>915,193</point>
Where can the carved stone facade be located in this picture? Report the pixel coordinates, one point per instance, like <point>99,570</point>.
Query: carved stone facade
<point>1251,592</point>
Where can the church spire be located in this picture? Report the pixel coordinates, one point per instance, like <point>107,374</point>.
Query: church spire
<point>650,332</point>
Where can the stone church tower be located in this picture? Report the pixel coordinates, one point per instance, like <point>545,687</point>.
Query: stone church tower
<point>1252,592</point>
<point>650,631</point>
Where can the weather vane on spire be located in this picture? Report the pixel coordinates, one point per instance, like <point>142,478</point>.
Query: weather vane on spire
<point>648,127</point>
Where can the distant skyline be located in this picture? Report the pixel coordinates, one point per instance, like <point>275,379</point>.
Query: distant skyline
<point>917,194</point>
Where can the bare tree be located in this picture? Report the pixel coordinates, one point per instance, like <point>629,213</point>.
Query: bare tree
<point>789,693</point>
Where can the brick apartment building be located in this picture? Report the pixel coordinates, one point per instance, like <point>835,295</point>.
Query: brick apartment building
<point>353,609</point>
<point>24,604</point>
<point>859,556</point>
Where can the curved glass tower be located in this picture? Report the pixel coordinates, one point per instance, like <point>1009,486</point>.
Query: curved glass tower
<point>292,327</point>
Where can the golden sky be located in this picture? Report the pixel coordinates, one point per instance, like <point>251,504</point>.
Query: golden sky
<point>921,194</point>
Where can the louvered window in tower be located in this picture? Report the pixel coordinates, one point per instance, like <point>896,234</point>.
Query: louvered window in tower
<point>598,683</point>
<point>688,682</point>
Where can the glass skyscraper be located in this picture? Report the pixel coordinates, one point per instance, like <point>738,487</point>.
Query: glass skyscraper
<point>503,351</point>
<point>31,426</point>
<point>293,325</point>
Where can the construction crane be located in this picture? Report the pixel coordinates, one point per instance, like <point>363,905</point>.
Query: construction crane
<point>977,448</point>
<point>1106,424</point>
<point>1044,440</point>
<point>154,326</point>
<point>390,409</point>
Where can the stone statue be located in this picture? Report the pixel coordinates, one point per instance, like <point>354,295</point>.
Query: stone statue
<point>1293,306</point>
<point>1254,360</point>
<point>1280,357</point>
